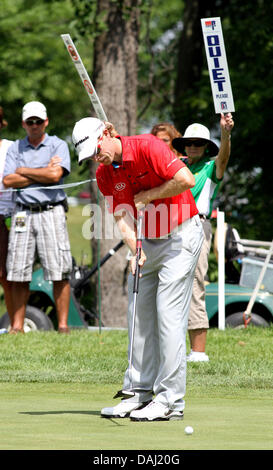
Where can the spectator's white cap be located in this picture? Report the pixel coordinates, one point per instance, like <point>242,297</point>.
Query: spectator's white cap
<point>85,137</point>
<point>34,109</point>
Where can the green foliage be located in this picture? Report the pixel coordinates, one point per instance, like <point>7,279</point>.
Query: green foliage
<point>36,66</point>
<point>247,30</point>
<point>252,79</point>
<point>31,56</point>
<point>158,48</point>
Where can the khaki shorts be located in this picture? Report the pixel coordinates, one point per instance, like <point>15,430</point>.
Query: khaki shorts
<point>198,318</point>
<point>45,235</point>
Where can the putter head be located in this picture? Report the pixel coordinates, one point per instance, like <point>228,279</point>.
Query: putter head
<point>124,394</point>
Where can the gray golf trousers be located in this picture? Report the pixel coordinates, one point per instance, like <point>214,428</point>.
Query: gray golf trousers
<point>163,302</point>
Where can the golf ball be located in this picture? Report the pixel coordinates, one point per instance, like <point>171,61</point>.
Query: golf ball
<point>188,430</point>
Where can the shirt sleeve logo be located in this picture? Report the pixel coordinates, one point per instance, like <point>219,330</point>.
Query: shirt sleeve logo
<point>120,186</point>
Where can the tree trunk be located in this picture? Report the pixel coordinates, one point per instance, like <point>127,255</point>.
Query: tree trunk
<point>115,63</point>
<point>189,62</point>
<point>191,59</point>
<point>115,80</point>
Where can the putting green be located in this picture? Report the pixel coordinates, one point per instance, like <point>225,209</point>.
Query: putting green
<point>61,416</point>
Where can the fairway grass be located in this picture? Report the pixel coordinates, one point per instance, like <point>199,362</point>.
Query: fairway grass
<point>54,386</point>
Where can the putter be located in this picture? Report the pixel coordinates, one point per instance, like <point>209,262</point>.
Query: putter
<point>129,393</point>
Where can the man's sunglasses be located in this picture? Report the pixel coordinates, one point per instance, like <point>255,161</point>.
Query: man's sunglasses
<point>30,122</point>
<point>196,143</point>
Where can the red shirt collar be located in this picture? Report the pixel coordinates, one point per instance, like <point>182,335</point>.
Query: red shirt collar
<point>127,155</point>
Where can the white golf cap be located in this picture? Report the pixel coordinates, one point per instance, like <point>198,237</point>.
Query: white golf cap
<point>85,137</point>
<point>196,131</point>
<point>34,109</point>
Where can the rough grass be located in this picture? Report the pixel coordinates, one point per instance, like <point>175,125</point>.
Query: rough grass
<point>80,246</point>
<point>240,359</point>
<point>83,356</point>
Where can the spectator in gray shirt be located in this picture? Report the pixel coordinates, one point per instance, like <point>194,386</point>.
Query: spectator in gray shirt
<point>39,223</point>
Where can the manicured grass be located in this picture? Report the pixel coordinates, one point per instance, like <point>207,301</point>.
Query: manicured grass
<point>67,416</point>
<point>54,386</point>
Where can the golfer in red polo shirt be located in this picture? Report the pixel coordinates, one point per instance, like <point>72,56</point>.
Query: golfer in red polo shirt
<point>142,171</point>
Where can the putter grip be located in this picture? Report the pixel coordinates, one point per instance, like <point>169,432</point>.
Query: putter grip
<point>137,271</point>
<point>138,249</point>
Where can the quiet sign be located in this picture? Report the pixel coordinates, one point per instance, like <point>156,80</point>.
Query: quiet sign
<point>217,65</point>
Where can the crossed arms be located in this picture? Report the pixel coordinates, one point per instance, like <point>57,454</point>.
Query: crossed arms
<point>24,176</point>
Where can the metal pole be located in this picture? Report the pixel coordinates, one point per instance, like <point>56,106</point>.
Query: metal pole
<point>221,268</point>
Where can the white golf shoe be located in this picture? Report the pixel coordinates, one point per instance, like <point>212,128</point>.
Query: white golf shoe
<point>122,410</point>
<point>196,356</point>
<point>156,412</point>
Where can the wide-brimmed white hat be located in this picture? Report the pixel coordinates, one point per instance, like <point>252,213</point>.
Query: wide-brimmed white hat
<point>85,137</point>
<point>34,109</point>
<point>196,131</point>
